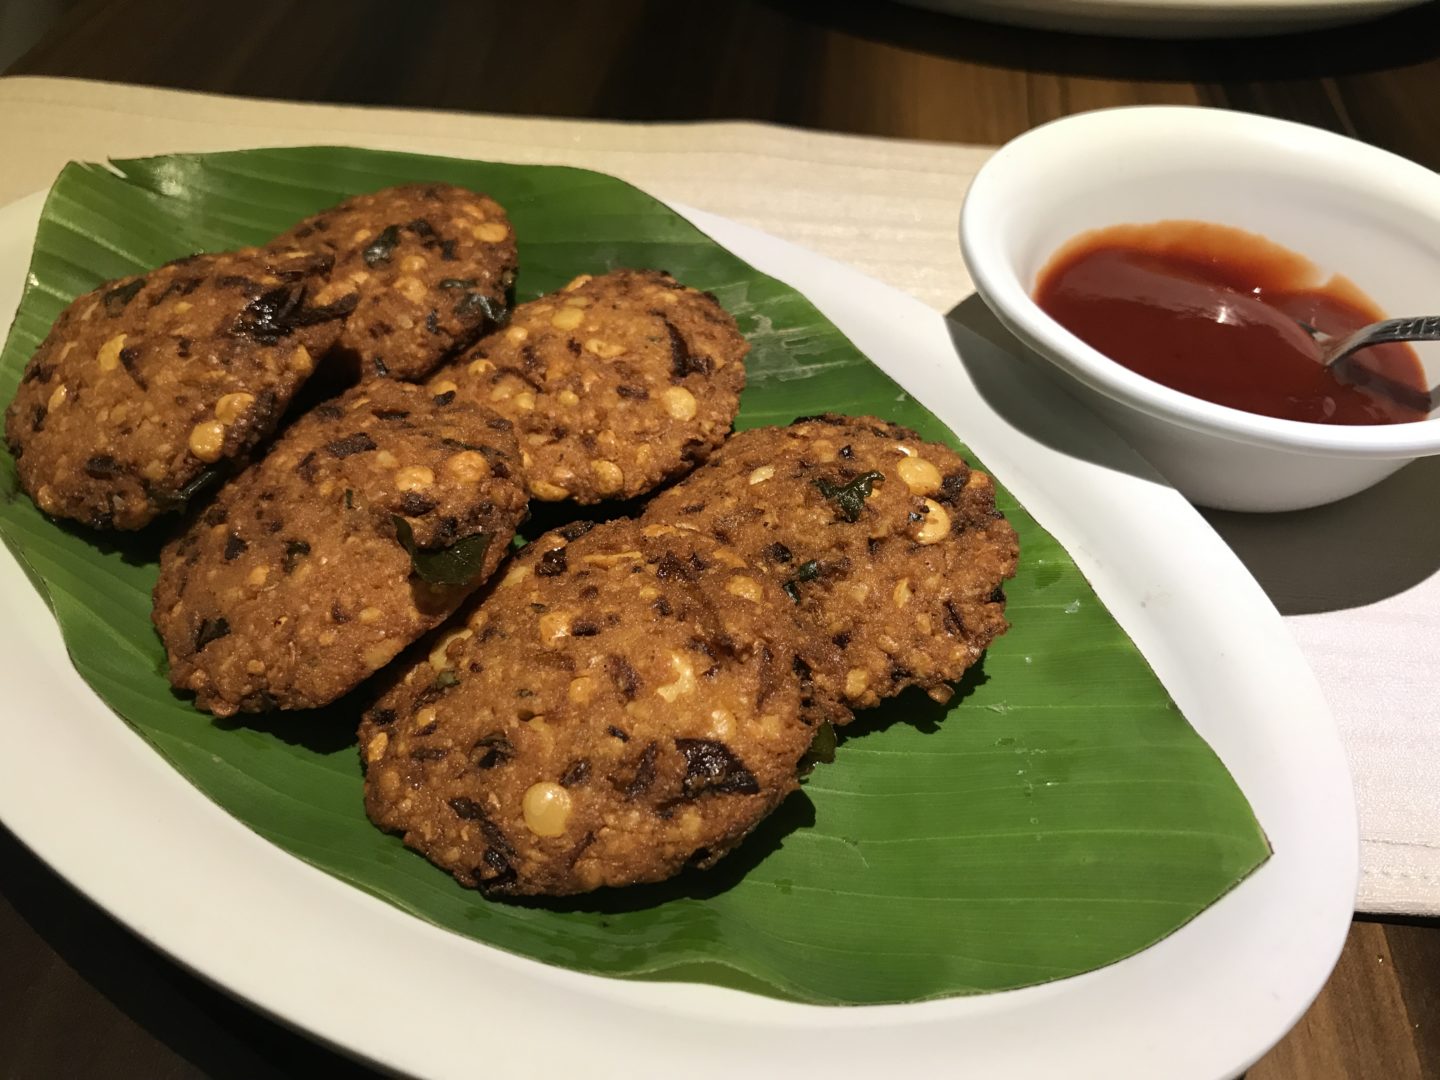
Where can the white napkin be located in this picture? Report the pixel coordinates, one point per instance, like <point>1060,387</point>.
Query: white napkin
<point>1359,585</point>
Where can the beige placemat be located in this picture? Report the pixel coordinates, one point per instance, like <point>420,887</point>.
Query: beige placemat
<point>889,207</point>
<point>1359,583</point>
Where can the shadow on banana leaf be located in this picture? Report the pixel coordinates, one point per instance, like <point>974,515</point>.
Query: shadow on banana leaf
<point>545,516</point>
<point>327,730</point>
<point>138,548</point>
<point>797,812</point>
<point>915,708</point>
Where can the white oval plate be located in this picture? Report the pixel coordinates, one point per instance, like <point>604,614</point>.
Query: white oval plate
<point>95,802</point>
<point>1171,18</point>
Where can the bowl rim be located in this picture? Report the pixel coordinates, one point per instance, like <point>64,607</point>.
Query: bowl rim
<point>999,284</point>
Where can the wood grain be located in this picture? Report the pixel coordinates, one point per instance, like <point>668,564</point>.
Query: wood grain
<point>872,68</point>
<point>81,997</point>
<point>1359,1026</point>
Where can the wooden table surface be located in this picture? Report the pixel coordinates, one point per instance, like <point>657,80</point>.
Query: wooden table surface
<point>79,996</point>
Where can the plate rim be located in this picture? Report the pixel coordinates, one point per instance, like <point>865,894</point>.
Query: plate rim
<point>102,863</point>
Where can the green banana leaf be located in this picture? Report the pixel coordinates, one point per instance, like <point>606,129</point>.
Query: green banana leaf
<point>1058,816</point>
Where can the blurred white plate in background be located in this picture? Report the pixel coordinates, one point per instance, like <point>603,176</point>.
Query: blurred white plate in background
<point>1170,18</point>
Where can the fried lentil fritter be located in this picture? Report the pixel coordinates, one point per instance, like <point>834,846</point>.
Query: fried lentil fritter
<point>616,384</point>
<point>294,585</point>
<point>890,548</point>
<point>433,265</point>
<point>147,383</point>
<point>621,705</point>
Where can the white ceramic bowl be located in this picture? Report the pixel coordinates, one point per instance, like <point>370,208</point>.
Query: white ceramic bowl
<point>1348,207</point>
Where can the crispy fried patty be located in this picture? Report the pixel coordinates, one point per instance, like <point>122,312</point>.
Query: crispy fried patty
<point>616,384</point>
<point>621,705</point>
<point>433,265</point>
<point>890,549</point>
<point>148,382</point>
<point>294,585</point>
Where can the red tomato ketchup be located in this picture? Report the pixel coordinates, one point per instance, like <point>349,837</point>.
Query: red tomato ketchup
<point>1215,312</point>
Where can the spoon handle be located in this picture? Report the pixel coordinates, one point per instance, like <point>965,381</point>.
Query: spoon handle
<point>1415,328</point>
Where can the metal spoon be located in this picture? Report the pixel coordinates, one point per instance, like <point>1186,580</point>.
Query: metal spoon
<point>1334,351</point>
<point>1417,328</point>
